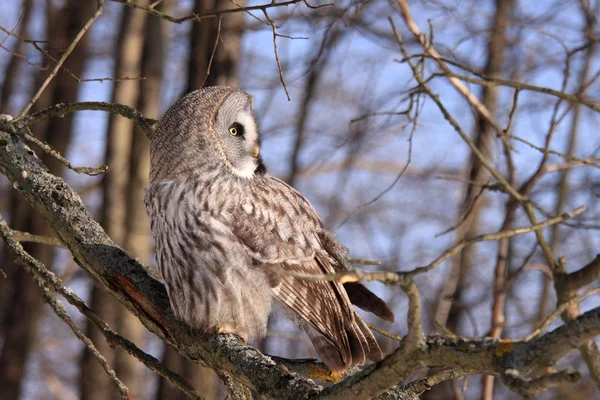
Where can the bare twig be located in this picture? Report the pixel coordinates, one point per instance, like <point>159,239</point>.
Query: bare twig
<point>213,14</point>
<point>274,28</point>
<point>494,82</point>
<point>559,310</point>
<point>431,51</point>
<point>480,156</point>
<point>31,266</point>
<point>362,262</point>
<point>591,162</point>
<point>29,237</point>
<point>148,125</point>
<point>64,57</point>
<point>27,135</point>
<point>388,277</point>
<point>212,56</point>
<point>34,43</point>
<point>61,312</point>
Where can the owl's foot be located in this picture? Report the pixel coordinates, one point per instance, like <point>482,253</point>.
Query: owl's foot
<point>229,329</point>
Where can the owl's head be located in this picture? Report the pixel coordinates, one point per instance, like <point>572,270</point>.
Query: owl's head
<point>208,129</point>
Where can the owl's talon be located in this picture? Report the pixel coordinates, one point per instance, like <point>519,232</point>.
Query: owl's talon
<point>227,329</point>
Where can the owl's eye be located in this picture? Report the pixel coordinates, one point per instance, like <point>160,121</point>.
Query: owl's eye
<point>236,129</point>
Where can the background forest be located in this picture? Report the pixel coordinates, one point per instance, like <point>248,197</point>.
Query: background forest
<point>350,116</point>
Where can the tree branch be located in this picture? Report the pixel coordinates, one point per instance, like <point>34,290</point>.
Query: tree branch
<point>214,14</point>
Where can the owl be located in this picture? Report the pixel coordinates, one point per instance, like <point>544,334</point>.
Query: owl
<point>229,236</point>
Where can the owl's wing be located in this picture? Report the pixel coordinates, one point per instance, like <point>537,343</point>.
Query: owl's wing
<point>283,233</point>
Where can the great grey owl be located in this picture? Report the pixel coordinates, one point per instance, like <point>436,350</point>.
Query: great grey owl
<point>227,234</point>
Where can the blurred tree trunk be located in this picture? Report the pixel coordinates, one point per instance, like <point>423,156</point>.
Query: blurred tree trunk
<point>451,305</point>
<point>224,67</point>
<point>95,384</point>
<point>449,310</point>
<point>23,301</point>
<point>11,73</point>
<point>223,72</point>
<point>7,93</point>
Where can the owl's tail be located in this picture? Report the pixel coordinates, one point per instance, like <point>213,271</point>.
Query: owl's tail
<point>360,342</point>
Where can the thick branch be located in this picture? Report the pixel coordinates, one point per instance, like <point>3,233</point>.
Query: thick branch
<point>574,281</point>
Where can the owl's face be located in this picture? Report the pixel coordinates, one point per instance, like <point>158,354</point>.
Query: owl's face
<point>210,129</point>
<point>236,131</point>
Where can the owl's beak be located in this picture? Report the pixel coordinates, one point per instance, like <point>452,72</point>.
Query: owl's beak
<point>255,151</point>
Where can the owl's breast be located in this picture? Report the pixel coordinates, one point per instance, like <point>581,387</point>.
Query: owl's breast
<point>209,275</point>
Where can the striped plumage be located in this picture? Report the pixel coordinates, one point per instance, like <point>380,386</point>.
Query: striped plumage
<point>226,232</point>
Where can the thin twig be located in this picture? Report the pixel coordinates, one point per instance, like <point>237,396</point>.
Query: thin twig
<point>556,313</point>
<point>32,267</point>
<point>212,56</point>
<point>591,162</point>
<point>34,43</point>
<point>462,89</point>
<point>62,60</point>
<point>274,28</point>
<point>362,262</point>
<point>389,277</point>
<point>28,135</point>
<point>22,237</point>
<point>484,161</point>
<point>384,332</point>
<point>213,14</point>
<point>494,82</point>
<point>148,125</point>
<point>61,312</point>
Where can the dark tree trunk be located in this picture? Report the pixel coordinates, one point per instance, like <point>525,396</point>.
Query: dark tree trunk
<point>11,73</point>
<point>23,301</point>
<point>224,67</point>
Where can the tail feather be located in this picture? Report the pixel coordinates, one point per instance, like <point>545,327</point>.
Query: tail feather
<point>372,349</point>
<point>361,342</point>
<point>327,350</point>
<point>363,298</point>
